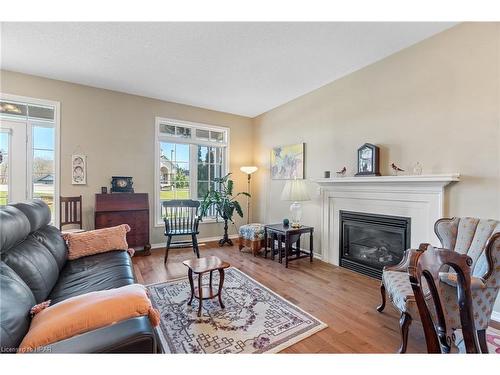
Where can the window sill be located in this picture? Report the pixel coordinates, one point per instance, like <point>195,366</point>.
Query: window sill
<point>205,221</point>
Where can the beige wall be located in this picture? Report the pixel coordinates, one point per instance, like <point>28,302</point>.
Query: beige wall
<point>116,132</point>
<point>436,102</point>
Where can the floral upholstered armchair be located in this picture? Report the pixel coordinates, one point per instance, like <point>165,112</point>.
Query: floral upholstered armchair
<point>480,240</point>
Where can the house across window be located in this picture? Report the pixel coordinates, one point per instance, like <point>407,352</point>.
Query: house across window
<point>190,156</point>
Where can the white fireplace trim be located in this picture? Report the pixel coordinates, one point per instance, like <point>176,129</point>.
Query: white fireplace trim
<point>418,197</point>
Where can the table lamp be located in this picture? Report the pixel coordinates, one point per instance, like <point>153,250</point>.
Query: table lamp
<point>248,170</point>
<point>295,191</point>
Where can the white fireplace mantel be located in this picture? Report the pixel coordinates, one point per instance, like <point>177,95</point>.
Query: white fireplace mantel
<point>435,179</point>
<point>418,197</point>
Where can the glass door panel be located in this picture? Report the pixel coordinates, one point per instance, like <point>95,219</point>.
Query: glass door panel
<point>43,163</point>
<point>14,172</point>
<point>4,166</point>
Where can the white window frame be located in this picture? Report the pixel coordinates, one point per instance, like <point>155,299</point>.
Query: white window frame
<point>57,142</point>
<point>9,164</point>
<point>193,166</point>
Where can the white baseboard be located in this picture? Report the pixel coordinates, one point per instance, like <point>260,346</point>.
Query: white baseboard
<point>318,256</point>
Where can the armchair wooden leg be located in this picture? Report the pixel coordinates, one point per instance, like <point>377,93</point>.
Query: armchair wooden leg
<point>169,240</point>
<point>195,245</point>
<point>381,307</point>
<point>240,243</point>
<point>404,324</point>
<point>481,337</point>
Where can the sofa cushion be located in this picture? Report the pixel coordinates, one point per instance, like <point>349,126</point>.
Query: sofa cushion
<point>17,299</point>
<point>52,239</point>
<point>92,273</point>
<point>97,241</point>
<point>14,227</point>
<point>35,264</point>
<point>87,312</point>
<point>37,212</point>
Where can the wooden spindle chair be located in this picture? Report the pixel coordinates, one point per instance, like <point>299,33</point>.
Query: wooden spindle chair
<point>70,213</point>
<point>181,219</point>
<point>431,265</point>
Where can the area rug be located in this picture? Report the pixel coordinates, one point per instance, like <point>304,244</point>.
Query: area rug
<point>493,340</point>
<point>254,320</point>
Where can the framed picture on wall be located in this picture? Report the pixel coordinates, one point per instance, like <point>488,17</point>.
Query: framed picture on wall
<point>78,169</point>
<point>287,162</point>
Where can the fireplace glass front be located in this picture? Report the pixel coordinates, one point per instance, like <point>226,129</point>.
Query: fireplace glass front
<point>368,242</point>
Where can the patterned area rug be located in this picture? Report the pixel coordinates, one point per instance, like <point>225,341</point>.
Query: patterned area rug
<point>493,339</point>
<point>255,319</point>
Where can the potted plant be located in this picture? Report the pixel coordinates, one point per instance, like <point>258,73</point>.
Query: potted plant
<point>224,202</point>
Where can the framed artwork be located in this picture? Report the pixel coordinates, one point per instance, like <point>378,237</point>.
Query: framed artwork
<point>78,169</point>
<point>368,160</point>
<point>287,162</point>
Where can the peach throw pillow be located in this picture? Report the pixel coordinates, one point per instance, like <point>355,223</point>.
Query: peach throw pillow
<point>87,312</point>
<point>97,241</point>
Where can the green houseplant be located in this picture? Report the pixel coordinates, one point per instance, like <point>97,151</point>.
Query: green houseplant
<point>221,199</point>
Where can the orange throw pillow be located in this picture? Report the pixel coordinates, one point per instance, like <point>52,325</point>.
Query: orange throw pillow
<point>87,312</point>
<point>97,241</point>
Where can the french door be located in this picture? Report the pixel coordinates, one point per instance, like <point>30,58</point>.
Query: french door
<point>28,155</point>
<point>13,166</point>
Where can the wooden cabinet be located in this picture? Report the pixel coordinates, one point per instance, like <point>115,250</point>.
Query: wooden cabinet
<point>125,208</point>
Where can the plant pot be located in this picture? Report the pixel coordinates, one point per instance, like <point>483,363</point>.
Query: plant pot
<point>225,240</point>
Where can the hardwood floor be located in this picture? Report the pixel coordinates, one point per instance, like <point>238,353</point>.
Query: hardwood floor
<point>342,299</point>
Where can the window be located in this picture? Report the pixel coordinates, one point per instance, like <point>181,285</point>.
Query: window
<point>28,152</point>
<point>190,157</point>
<point>43,162</point>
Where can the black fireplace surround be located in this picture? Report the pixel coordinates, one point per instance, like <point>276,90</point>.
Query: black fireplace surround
<point>368,242</point>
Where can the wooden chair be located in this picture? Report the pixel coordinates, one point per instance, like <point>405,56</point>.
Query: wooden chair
<point>70,213</point>
<point>480,240</point>
<point>181,219</point>
<point>429,265</point>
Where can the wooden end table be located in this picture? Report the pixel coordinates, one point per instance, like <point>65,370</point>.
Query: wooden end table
<point>290,236</point>
<point>201,266</point>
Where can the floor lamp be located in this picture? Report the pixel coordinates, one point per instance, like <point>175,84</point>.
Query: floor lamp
<point>248,170</point>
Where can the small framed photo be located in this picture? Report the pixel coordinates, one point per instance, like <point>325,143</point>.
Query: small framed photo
<point>104,190</point>
<point>78,169</point>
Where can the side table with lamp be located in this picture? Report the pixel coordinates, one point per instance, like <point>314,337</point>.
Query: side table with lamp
<point>295,191</point>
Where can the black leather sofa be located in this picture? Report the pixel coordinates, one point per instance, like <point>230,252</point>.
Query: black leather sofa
<point>34,268</point>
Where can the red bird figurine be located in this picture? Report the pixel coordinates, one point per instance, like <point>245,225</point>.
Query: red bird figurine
<point>396,168</point>
<point>341,172</point>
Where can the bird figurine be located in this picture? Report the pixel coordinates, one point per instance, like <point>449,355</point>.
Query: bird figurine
<point>396,169</point>
<point>341,173</point>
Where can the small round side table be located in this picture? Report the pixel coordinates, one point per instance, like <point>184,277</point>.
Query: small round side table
<point>201,266</point>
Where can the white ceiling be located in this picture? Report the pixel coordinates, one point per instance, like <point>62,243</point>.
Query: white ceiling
<point>241,68</point>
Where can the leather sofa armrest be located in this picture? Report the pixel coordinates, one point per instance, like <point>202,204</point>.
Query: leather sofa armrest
<point>135,335</point>
<point>403,265</point>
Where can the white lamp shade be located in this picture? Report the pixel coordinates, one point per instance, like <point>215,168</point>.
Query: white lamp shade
<point>248,169</point>
<point>295,190</point>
